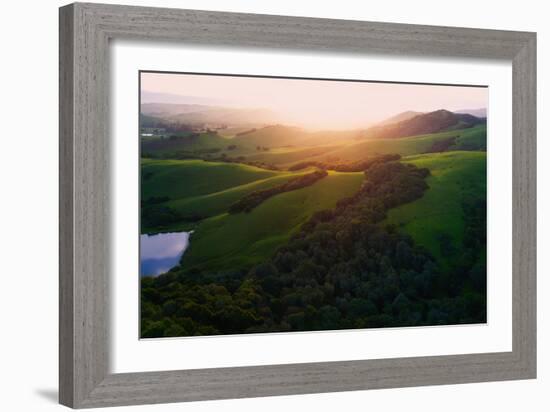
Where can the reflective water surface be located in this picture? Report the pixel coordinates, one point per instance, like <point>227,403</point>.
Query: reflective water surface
<point>161,252</point>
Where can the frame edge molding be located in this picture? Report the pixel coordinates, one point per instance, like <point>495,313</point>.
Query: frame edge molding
<point>66,193</point>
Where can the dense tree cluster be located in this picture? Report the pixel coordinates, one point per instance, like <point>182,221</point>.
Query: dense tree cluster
<point>156,215</point>
<point>342,270</point>
<point>201,154</point>
<point>254,199</point>
<point>358,166</point>
<point>242,160</point>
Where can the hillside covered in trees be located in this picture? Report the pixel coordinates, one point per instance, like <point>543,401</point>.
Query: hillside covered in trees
<point>342,269</point>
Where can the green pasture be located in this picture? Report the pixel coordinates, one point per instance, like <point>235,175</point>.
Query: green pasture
<point>229,241</point>
<point>455,177</point>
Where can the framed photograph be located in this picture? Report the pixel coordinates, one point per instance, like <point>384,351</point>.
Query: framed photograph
<point>256,205</point>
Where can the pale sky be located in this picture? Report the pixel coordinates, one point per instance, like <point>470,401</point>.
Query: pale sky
<point>317,104</point>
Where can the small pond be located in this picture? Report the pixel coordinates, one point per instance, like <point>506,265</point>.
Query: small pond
<point>161,252</point>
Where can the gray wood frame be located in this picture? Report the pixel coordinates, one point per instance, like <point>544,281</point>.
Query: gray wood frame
<point>85,31</point>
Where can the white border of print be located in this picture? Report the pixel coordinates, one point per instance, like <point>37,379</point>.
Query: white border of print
<point>129,354</point>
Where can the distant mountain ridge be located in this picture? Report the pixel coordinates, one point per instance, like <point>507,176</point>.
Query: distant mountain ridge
<point>170,98</point>
<point>474,112</point>
<point>170,109</point>
<point>409,114</point>
<point>198,114</point>
<point>424,123</point>
<point>226,116</point>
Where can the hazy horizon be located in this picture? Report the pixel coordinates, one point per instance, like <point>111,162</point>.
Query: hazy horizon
<point>313,104</point>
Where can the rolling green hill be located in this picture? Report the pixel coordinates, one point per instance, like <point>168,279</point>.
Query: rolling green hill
<point>197,189</point>
<point>229,241</point>
<point>189,178</point>
<point>288,155</point>
<point>284,146</point>
<point>474,138</point>
<point>271,136</point>
<point>438,216</point>
<point>423,123</point>
<point>293,138</point>
<point>215,203</point>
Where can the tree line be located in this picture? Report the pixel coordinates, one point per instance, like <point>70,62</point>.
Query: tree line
<point>254,199</point>
<point>357,166</point>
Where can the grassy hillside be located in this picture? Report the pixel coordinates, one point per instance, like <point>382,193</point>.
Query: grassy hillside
<point>289,155</point>
<point>189,178</point>
<point>433,122</point>
<point>284,146</point>
<point>271,136</point>
<point>347,149</point>
<point>217,202</point>
<point>455,177</point>
<point>228,241</point>
<point>284,136</point>
<point>474,137</point>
